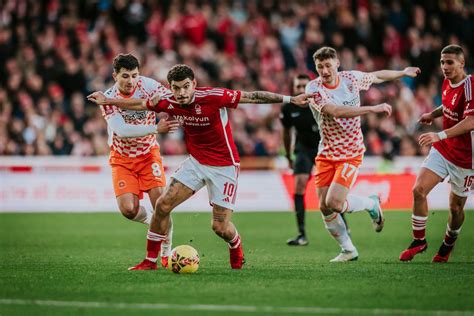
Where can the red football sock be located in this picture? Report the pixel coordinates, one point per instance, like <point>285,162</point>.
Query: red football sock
<point>153,245</point>
<point>418,224</point>
<point>235,242</point>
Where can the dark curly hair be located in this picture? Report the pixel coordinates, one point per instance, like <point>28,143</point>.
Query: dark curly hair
<point>127,61</point>
<point>179,73</point>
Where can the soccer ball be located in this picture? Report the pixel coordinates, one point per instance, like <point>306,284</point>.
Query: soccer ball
<point>184,259</point>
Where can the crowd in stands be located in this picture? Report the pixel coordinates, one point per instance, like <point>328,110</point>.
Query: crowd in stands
<point>53,53</point>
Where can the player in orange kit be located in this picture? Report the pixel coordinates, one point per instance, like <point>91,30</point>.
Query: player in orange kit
<point>134,151</point>
<point>336,109</point>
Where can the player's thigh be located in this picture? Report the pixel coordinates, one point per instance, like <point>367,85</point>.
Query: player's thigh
<point>433,170</point>
<point>174,194</point>
<point>151,173</point>
<point>125,179</point>
<point>325,171</point>
<point>154,194</point>
<point>425,181</point>
<point>190,174</point>
<point>336,195</point>
<point>347,171</point>
<point>322,193</point>
<point>222,185</point>
<point>128,203</point>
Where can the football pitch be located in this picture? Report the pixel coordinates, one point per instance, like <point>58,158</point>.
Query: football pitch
<point>76,264</point>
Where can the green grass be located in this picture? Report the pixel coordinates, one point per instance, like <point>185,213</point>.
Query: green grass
<point>84,257</point>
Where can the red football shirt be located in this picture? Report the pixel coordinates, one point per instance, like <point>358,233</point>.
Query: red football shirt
<point>457,104</point>
<point>206,124</point>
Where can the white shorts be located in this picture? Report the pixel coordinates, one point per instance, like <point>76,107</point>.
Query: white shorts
<point>221,182</point>
<point>461,179</point>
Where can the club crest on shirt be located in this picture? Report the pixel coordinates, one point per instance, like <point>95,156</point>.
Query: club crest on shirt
<point>349,86</point>
<point>197,108</point>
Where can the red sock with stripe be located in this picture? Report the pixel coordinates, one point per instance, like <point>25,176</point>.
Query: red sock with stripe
<point>418,224</point>
<point>153,245</point>
<point>234,242</point>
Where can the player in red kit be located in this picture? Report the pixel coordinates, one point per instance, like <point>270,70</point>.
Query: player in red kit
<point>452,154</point>
<point>213,158</point>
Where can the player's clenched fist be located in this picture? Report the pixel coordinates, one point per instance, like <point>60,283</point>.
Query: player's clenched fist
<point>302,99</point>
<point>411,71</point>
<point>97,97</point>
<point>383,108</point>
<point>426,119</point>
<point>165,126</point>
<point>427,139</point>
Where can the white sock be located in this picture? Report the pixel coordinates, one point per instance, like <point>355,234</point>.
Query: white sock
<point>143,216</point>
<point>336,227</point>
<point>452,232</point>
<point>166,244</point>
<point>356,203</point>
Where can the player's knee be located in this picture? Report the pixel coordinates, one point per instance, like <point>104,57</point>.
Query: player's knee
<point>300,187</point>
<point>219,228</point>
<point>129,210</point>
<point>334,205</point>
<point>419,192</point>
<point>163,206</point>
<point>324,208</point>
<point>456,208</point>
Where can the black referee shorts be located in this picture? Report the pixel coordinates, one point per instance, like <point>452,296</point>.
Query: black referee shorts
<point>304,161</point>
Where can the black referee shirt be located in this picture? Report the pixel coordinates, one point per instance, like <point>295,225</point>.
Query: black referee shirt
<point>307,133</point>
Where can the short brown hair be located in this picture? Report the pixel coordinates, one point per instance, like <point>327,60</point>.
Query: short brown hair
<point>127,61</point>
<point>325,53</point>
<point>179,73</point>
<point>453,49</point>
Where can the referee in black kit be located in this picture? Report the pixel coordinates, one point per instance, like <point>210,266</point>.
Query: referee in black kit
<point>305,151</point>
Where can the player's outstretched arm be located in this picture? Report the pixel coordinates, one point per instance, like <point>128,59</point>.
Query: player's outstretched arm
<point>125,130</point>
<point>270,97</point>
<point>99,98</point>
<point>465,126</point>
<point>343,111</point>
<point>388,75</point>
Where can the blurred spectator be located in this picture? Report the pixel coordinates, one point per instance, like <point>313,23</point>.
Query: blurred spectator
<point>53,53</point>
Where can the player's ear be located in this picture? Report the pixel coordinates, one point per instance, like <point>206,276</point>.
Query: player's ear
<point>194,83</point>
<point>114,75</point>
<point>338,63</point>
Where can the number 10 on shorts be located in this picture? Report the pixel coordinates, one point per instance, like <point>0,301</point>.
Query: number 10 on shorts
<point>229,189</point>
